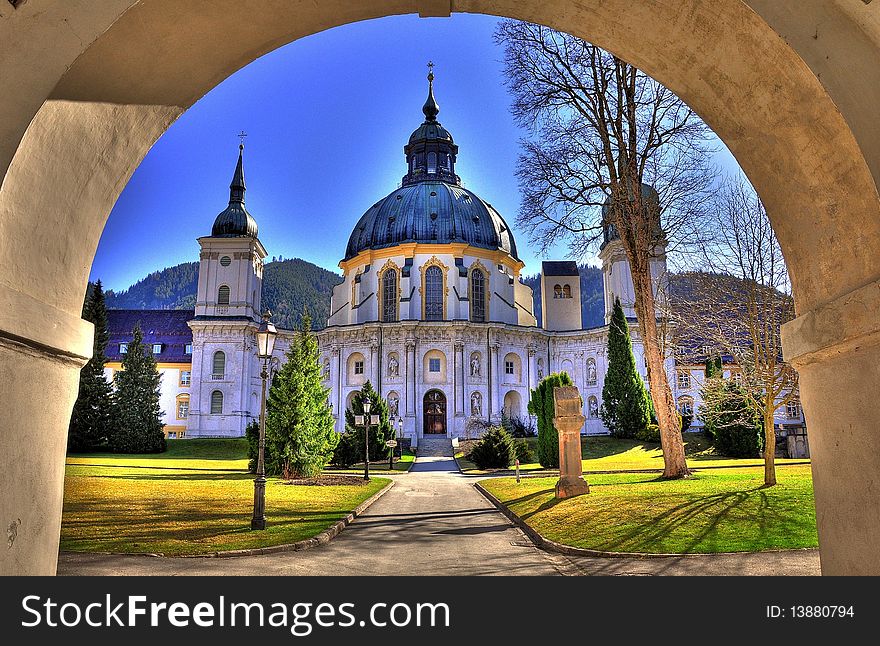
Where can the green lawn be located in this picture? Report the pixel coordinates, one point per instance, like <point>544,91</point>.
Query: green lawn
<point>196,498</point>
<point>604,453</point>
<point>724,510</point>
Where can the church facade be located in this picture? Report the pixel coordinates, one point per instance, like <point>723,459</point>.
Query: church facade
<point>431,311</point>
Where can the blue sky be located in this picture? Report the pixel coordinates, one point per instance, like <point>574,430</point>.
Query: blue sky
<point>327,117</point>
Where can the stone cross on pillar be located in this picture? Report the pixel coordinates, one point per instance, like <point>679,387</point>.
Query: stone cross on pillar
<point>569,421</point>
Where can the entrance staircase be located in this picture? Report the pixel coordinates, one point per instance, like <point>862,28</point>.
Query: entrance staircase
<point>434,447</point>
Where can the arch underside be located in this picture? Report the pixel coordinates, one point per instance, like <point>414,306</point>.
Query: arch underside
<point>791,86</point>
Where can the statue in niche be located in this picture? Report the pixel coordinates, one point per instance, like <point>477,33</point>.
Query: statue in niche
<point>591,373</point>
<point>477,405</point>
<point>393,406</point>
<point>540,369</point>
<point>393,366</point>
<point>594,408</point>
<point>475,365</point>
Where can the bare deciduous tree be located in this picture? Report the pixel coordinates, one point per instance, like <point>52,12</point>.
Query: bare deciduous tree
<point>744,319</point>
<point>602,131</point>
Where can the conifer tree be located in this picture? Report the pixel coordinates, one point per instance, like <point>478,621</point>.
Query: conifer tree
<point>300,437</point>
<point>138,415</point>
<point>92,412</point>
<point>712,394</point>
<point>626,409</point>
<point>351,444</point>
<point>541,404</point>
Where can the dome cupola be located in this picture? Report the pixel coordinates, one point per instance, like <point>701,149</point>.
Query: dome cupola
<point>431,206</point>
<point>235,221</point>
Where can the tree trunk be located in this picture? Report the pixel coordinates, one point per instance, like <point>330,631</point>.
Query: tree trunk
<point>674,462</point>
<point>769,447</point>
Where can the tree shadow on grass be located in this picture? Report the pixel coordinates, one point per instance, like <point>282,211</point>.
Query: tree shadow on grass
<point>717,507</point>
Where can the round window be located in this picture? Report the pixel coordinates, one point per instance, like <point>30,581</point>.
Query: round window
<point>225,261</point>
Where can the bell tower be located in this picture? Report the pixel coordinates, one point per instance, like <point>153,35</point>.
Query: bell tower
<point>616,274</point>
<point>231,259</point>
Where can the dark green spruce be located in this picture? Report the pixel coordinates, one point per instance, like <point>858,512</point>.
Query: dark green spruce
<point>92,415</point>
<point>299,423</point>
<point>626,405</point>
<point>138,423</point>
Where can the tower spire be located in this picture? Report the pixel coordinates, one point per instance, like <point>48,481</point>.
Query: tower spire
<point>237,187</point>
<point>431,109</point>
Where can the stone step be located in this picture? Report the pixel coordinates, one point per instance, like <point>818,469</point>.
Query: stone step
<point>434,447</point>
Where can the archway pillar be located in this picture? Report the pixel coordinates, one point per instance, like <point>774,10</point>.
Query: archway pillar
<point>42,350</point>
<point>836,350</point>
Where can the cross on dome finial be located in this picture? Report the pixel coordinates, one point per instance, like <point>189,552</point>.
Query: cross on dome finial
<point>241,135</point>
<point>431,109</point>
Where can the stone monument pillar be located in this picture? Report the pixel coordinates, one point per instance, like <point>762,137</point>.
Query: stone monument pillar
<point>569,421</point>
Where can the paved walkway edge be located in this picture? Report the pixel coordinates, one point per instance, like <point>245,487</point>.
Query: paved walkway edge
<point>553,546</point>
<point>306,544</point>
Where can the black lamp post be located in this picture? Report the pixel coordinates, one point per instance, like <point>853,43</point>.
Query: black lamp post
<point>365,420</point>
<point>266,334</point>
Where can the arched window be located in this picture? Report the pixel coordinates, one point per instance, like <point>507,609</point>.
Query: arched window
<point>223,295</point>
<point>686,405</point>
<point>566,291</point>
<point>219,368</point>
<point>216,403</point>
<point>434,294</point>
<point>182,406</point>
<point>557,291</point>
<point>432,162</point>
<point>478,296</point>
<point>389,296</point>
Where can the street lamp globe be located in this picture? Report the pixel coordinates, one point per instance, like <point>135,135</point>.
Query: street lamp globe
<point>266,334</point>
<point>367,406</point>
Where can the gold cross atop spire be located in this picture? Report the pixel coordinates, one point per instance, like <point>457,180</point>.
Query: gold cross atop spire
<point>241,135</point>
<point>430,71</point>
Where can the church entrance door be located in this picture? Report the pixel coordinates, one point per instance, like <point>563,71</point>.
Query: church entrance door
<point>435,413</point>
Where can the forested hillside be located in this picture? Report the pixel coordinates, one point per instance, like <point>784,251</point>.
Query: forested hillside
<point>288,287</point>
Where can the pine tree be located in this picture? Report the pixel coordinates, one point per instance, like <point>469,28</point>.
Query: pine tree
<point>92,413</point>
<point>542,405</point>
<point>300,437</point>
<point>626,409</point>
<point>138,415</point>
<point>351,444</point>
<point>714,367</point>
<point>713,394</point>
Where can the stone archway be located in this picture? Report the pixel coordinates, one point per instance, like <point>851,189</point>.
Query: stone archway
<point>789,85</point>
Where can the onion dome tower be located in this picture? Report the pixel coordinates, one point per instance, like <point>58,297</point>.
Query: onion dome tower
<point>231,267</point>
<point>234,220</point>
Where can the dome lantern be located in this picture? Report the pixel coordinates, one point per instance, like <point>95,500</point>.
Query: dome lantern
<point>430,153</point>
